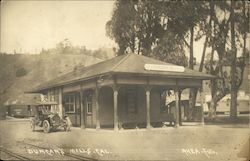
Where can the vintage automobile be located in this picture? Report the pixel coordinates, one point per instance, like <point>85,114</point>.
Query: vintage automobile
<point>47,119</point>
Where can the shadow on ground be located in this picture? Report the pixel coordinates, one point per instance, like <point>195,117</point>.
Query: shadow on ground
<point>245,150</point>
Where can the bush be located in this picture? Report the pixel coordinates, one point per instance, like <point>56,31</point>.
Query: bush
<point>21,72</point>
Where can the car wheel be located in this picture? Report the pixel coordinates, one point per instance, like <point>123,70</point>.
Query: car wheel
<point>32,125</point>
<point>46,126</point>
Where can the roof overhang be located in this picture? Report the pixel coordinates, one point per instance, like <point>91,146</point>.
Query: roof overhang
<point>41,89</point>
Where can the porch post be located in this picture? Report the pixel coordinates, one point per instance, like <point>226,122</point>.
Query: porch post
<point>202,107</point>
<point>176,107</point>
<point>60,106</point>
<point>148,107</point>
<point>97,109</point>
<point>82,110</point>
<point>115,109</point>
<point>179,102</point>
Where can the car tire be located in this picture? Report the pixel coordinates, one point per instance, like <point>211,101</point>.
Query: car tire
<point>46,126</point>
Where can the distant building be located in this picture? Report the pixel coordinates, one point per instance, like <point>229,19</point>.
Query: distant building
<point>3,112</point>
<point>223,106</point>
<point>22,106</point>
<point>184,106</point>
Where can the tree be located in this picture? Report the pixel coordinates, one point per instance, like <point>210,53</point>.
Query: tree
<point>167,27</point>
<point>164,29</point>
<point>186,20</point>
<point>64,47</point>
<point>122,26</point>
<point>242,27</point>
<point>169,50</point>
<point>233,105</point>
<point>135,26</point>
<point>221,58</point>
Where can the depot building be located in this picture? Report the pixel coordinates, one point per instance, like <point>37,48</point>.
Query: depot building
<point>125,91</point>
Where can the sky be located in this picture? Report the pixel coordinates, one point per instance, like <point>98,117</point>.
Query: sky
<point>28,26</point>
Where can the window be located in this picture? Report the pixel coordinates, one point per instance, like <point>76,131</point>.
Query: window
<point>56,95</point>
<point>52,95</point>
<point>89,103</point>
<point>44,98</point>
<point>69,104</point>
<point>131,98</point>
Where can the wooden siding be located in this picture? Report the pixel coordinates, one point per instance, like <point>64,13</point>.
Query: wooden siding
<point>106,106</point>
<point>75,117</point>
<point>189,83</point>
<point>71,88</point>
<point>127,79</point>
<point>162,81</point>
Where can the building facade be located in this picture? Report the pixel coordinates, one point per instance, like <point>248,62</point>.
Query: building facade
<point>120,92</point>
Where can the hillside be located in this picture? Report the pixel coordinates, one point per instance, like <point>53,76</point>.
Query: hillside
<point>21,72</point>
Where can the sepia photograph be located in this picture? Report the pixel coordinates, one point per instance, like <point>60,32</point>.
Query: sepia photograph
<point>158,80</point>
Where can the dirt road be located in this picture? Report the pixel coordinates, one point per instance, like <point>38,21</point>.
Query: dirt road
<point>211,142</point>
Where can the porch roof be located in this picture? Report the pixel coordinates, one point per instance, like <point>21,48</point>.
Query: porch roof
<point>124,64</point>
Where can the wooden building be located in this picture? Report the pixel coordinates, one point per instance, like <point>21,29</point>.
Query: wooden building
<point>120,91</point>
<point>27,110</point>
<point>21,105</point>
<point>223,106</point>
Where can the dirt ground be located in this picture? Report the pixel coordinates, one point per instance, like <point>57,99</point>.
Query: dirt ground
<point>189,142</point>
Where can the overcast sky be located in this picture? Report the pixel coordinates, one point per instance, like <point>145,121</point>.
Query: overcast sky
<point>29,26</point>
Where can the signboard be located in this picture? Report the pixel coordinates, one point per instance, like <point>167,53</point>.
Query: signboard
<point>166,68</point>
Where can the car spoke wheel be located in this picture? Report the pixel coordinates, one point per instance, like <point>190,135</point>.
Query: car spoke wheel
<point>46,126</point>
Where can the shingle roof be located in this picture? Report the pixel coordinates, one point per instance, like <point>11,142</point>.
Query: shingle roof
<point>128,63</point>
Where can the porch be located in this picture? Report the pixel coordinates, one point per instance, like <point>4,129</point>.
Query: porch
<point>130,105</point>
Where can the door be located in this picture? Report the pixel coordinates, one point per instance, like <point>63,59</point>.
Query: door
<point>77,110</point>
<point>72,107</point>
<point>89,109</point>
